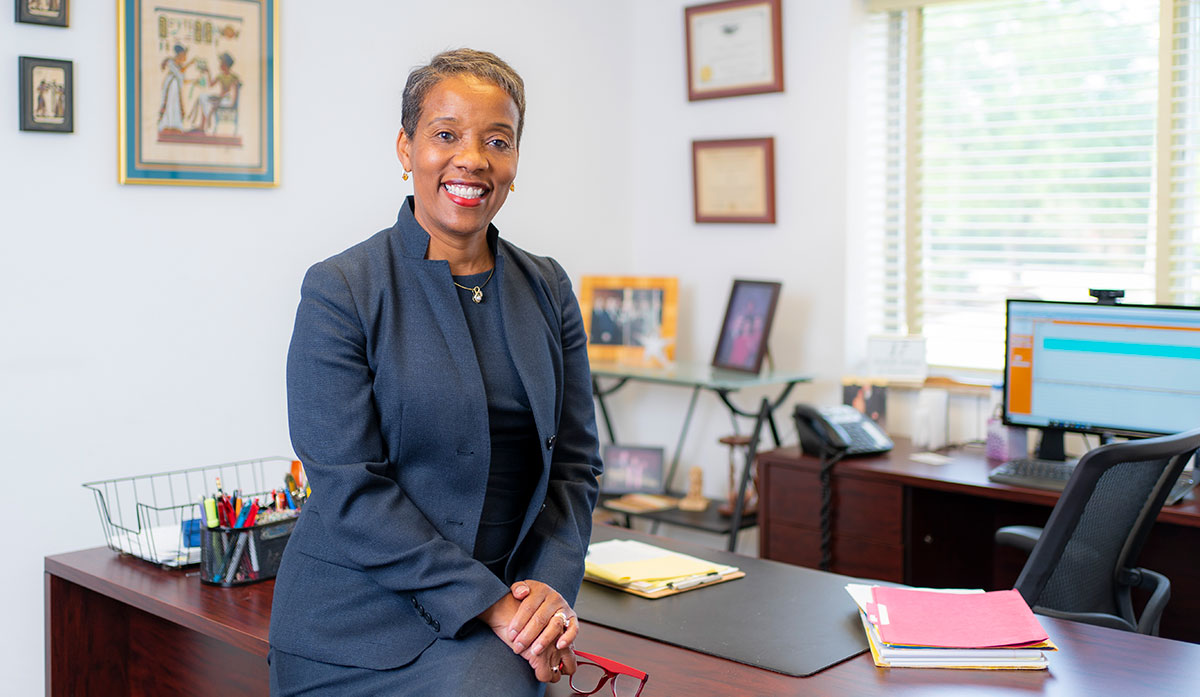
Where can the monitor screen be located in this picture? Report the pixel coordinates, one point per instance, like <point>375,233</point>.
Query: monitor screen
<point>1111,369</point>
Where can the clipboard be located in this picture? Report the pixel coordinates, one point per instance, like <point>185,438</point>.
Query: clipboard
<point>669,590</point>
<point>609,562</point>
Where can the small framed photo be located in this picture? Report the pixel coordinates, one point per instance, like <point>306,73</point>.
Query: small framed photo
<point>747,326</point>
<point>632,470</point>
<point>47,95</point>
<point>733,181</point>
<point>630,319</point>
<point>733,48</point>
<point>198,92</point>
<point>49,12</point>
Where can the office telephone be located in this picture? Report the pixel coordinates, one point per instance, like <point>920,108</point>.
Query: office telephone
<point>841,429</point>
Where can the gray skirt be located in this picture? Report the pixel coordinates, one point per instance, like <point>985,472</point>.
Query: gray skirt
<point>476,664</point>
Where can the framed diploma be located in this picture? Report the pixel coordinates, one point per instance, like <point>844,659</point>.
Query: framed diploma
<point>733,181</point>
<point>733,48</point>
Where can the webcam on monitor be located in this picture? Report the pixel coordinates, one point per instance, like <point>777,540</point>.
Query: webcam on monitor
<point>1106,296</point>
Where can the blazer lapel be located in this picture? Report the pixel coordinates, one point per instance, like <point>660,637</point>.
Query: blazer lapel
<point>435,281</point>
<point>528,339</point>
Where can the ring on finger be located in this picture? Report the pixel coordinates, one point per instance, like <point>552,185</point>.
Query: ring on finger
<point>562,617</point>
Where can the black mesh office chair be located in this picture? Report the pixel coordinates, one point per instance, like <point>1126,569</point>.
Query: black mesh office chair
<point>1080,567</point>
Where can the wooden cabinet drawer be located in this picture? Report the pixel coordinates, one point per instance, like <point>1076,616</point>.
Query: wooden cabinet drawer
<point>862,509</point>
<point>851,556</point>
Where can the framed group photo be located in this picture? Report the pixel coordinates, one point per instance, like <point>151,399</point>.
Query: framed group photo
<point>733,48</point>
<point>49,12</point>
<point>630,319</point>
<point>47,95</point>
<point>733,180</point>
<point>198,84</point>
<point>742,344</point>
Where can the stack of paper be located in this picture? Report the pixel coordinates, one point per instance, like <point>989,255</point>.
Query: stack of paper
<point>928,628</point>
<point>651,571</point>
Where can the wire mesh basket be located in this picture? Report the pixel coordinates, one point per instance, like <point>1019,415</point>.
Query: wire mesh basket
<point>149,516</point>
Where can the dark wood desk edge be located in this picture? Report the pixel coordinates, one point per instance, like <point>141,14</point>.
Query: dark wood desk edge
<point>896,467</point>
<point>254,642</point>
<point>1092,660</point>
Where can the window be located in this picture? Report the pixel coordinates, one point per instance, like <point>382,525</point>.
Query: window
<point>1023,148</point>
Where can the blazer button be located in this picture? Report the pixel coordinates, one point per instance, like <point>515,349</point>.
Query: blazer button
<point>550,441</point>
<point>415,603</point>
<point>437,626</point>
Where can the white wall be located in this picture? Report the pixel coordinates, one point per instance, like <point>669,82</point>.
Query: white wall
<point>805,249</point>
<point>144,327</point>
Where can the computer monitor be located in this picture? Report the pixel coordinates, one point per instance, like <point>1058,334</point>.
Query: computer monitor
<point>1110,369</point>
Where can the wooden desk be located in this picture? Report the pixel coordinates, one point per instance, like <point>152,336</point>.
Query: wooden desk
<point>932,525</point>
<point>118,625</point>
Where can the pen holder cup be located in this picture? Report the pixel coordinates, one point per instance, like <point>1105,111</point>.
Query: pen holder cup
<point>237,556</point>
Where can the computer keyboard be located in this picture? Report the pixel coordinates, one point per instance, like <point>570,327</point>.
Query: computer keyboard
<point>1053,475</point>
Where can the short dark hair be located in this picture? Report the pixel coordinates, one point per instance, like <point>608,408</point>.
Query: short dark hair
<point>463,61</point>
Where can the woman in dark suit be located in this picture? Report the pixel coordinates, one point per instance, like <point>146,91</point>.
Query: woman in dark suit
<point>440,399</point>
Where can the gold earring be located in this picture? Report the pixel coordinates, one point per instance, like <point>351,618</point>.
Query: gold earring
<point>512,187</point>
<point>405,175</point>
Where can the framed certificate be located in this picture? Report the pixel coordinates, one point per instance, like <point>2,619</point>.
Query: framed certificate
<point>734,180</point>
<point>198,84</point>
<point>734,48</point>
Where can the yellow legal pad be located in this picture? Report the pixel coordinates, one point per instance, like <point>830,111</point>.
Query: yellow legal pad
<point>649,571</point>
<point>662,568</point>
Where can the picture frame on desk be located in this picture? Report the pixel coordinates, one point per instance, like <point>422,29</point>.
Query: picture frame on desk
<point>733,48</point>
<point>198,92</point>
<point>52,13</point>
<point>733,180</point>
<point>47,95</point>
<point>632,469</point>
<point>630,320</point>
<point>749,314</point>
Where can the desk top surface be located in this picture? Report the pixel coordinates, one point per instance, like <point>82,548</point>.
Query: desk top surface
<point>1091,660</point>
<point>965,471</point>
<point>697,375</point>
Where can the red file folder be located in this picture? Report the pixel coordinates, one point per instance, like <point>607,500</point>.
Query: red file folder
<point>909,617</point>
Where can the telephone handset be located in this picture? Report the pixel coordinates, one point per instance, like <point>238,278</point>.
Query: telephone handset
<point>841,429</point>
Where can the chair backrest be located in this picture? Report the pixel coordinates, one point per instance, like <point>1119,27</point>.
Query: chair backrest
<point>1082,561</point>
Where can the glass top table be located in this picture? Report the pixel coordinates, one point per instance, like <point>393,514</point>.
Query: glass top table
<point>698,375</point>
<point>723,383</point>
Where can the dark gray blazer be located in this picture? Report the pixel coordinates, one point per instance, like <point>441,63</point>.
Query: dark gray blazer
<point>387,411</point>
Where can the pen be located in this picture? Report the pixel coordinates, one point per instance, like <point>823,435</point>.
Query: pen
<point>694,581</point>
<point>232,565</point>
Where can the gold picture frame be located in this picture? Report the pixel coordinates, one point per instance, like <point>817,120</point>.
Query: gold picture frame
<point>632,320</point>
<point>198,92</point>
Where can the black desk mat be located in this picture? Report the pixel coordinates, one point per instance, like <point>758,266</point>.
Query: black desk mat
<point>784,618</point>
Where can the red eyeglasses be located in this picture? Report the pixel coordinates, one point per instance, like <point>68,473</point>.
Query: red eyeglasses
<point>593,671</point>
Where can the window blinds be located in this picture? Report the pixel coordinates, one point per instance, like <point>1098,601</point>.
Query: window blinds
<point>1028,155</point>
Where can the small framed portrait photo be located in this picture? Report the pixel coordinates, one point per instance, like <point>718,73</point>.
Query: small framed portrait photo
<point>747,325</point>
<point>47,95</point>
<point>632,470</point>
<point>50,12</point>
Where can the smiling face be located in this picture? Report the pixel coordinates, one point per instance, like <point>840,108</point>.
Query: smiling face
<point>463,157</point>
